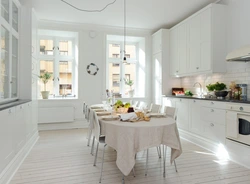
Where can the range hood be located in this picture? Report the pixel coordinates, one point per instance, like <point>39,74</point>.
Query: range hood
<point>241,54</point>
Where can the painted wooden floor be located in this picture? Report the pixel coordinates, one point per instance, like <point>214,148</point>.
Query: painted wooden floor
<point>62,157</point>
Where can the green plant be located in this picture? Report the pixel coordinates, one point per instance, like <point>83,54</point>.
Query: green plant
<point>45,77</point>
<point>128,82</point>
<point>216,87</point>
<point>188,93</point>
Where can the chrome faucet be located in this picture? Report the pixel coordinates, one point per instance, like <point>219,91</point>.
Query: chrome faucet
<point>201,93</point>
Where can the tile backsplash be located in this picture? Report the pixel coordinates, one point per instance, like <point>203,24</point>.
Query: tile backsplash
<point>239,76</point>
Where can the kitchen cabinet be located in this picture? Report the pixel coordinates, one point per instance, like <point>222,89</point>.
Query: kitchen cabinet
<point>198,44</point>
<point>6,137</point>
<point>195,122</point>
<point>162,81</point>
<point>182,107</point>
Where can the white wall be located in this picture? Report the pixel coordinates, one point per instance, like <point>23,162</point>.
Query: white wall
<point>93,50</point>
<point>238,35</point>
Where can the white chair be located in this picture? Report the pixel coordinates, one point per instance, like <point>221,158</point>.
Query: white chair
<point>100,139</point>
<point>142,105</point>
<point>154,108</point>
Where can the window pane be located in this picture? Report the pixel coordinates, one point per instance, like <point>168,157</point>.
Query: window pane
<point>114,77</point>
<point>14,17</point>
<point>114,50</point>
<point>65,82</point>
<point>14,67</point>
<point>4,81</point>
<point>47,66</point>
<point>5,9</point>
<point>130,73</point>
<point>46,47</point>
<point>65,48</point>
<point>130,51</point>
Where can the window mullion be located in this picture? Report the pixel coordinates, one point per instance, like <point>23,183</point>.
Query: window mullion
<point>56,68</point>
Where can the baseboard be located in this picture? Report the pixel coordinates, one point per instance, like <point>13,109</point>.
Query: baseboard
<point>199,141</point>
<point>78,123</point>
<point>13,166</point>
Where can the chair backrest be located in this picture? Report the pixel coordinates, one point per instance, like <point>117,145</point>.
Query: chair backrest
<point>142,105</point>
<point>96,126</point>
<point>87,110</point>
<point>170,111</point>
<point>155,108</point>
<point>135,104</point>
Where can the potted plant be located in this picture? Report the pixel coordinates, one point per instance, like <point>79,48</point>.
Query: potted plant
<point>130,83</point>
<point>219,89</point>
<point>45,77</point>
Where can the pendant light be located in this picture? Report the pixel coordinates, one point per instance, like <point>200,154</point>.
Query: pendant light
<point>124,46</point>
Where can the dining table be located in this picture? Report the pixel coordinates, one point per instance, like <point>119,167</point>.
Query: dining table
<point>129,138</point>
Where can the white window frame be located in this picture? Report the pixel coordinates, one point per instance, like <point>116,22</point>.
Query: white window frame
<point>56,58</point>
<point>12,32</point>
<point>119,61</point>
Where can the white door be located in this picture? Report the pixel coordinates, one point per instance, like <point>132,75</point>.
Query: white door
<point>182,48</point>
<point>205,43</point>
<point>194,44</point>
<point>174,57</point>
<point>195,123</point>
<point>182,108</point>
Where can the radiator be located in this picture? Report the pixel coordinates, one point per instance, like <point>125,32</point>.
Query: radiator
<point>55,114</point>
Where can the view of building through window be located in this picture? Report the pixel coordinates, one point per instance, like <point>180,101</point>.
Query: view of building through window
<point>60,65</point>
<point>119,71</point>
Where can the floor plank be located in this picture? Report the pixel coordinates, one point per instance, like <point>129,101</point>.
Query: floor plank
<point>62,157</point>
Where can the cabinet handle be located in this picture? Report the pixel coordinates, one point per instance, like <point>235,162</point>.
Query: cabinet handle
<point>180,100</point>
<point>212,110</point>
<point>21,107</point>
<point>212,125</point>
<point>10,111</point>
<point>197,68</point>
<point>212,102</point>
<point>177,71</point>
<point>194,101</point>
<point>241,108</point>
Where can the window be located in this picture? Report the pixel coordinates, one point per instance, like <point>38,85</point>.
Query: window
<point>117,71</point>
<point>9,51</point>
<point>57,56</point>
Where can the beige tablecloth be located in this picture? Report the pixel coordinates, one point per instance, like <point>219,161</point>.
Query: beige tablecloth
<point>129,138</point>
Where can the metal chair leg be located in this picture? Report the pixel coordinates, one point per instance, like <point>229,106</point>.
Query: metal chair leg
<point>159,151</point>
<point>92,147</point>
<point>97,146</point>
<point>175,166</point>
<point>134,171</point>
<point>164,158</point>
<point>123,180</point>
<point>89,136</point>
<point>102,162</point>
<point>146,170</point>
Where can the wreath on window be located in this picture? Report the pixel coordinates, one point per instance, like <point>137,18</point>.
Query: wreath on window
<point>92,69</point>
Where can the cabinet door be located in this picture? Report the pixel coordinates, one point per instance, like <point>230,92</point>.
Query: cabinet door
<point>6,137</point>
<point>19,128</point>
<point>157,58</point>
<point>174,58</point>
<point>182,113</point>
<point>194,44</point>
<point>195,123</point>
<point>205,43</point>
<point>215,132</point>
<point>182,48</point>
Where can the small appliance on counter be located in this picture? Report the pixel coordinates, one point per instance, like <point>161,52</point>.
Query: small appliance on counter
<point>241,92</point>
<point>177,91</point>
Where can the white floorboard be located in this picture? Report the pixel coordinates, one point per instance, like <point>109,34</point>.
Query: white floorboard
<point>62,157</point>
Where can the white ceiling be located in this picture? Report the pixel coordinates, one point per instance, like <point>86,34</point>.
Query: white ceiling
<point>145,14</point>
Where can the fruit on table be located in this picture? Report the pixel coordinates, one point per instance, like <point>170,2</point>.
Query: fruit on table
<point>188,93</point>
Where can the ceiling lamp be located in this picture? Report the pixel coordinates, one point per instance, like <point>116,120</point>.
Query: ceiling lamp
<point>124,46</point>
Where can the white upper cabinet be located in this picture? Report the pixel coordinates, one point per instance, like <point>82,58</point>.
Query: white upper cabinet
<point>198,44</point>
<point>157,42</point>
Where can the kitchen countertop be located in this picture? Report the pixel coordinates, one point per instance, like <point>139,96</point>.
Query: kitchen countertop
<point>210,99</point>
<point>13,104</point>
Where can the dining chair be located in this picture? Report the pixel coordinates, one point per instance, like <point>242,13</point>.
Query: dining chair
<point>154,108</point>
<point>142,105</point>
<point>89,118</point>
<point>170,112</point>
<point>100,139</point>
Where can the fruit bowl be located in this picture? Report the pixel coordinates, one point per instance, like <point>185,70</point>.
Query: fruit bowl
<point>221,93</point>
